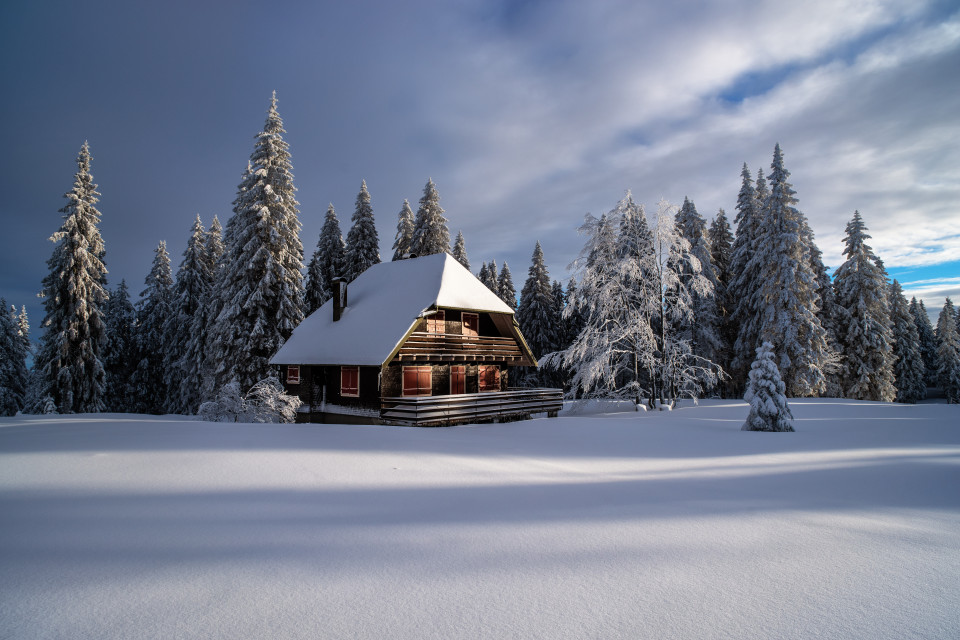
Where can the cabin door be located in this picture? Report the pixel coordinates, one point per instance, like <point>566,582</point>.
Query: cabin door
<point>458,379</point>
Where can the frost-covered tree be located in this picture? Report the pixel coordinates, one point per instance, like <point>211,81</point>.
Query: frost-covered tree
<point>403,241</point>
<point>430,233</point>
<point>704,330</point>
<point>265,402</point>
<point>505,288</point>
<point>262,287</point>
<point>744,286</point>
<point>948,353</point>
<point>908,368</point>
<point>535,311</point>
<point>572,319</point>
<point>769,410</point>
<point>721,252</point>
<point>865,337</point>
<point>192,286</point>
<point>328,262</point>
<point>460,251</point>
<point>493,277</point>
<point>788,302</point>
<point>928,341</point>
<point>13,361</point>
<point>74,292</point>
<point>483,275</point>
<point>363,243</point>
<point>120,350</point>
<point>198,368</point>
<point>149,380</point>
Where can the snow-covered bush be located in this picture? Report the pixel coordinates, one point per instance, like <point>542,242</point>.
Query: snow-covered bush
<point>266,401</point>
<point>48,406</point>
<point>766,394</point>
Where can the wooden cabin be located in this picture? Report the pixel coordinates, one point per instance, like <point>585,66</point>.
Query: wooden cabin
<point>417,342</point>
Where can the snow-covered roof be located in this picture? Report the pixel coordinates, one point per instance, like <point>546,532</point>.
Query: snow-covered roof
<point>383,303</point>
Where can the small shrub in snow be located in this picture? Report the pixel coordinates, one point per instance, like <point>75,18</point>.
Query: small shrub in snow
<point>48,406</point>
<point>265,402</point>
<point>766,394</point>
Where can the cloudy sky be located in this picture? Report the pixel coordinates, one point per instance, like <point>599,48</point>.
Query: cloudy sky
<point>527,115</point>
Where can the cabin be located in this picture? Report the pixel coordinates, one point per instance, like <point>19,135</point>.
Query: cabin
<point>416,342</point>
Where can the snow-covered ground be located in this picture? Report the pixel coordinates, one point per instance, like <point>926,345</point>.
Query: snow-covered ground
<point>598,525</point>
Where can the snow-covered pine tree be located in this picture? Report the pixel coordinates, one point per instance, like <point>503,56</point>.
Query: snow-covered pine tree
<point>704,331</point>
<point>492,277</point>
<point>483,275</point>
<point>363,243</point>
<point>430,233</point>
<point>120,350</point>
<point>829,318</point>
<point>535,311</point>
<point>744,284</point>
<point>948,353</point>
<point>150,380</point>
<point>769,410</point>
<point>572,319</point>
<point>788,290</point>
<point>199,369</point>
<point>928,341</point>
<point>262,286</point>
<point>721,251</point>
<point>13,362</point>
<point>191,288</point>
<point>460,251</point>
<point>505,288</point>
<point>74,293</point>
<point>865,337</point>
<point>403,241</point>
<point>328,262</point>
<point>909,368</point>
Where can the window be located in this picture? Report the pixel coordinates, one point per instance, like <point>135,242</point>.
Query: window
<point>437,323</point>
<point>489,379</point>
<point>293,374</point>
<point>471,324</point>
<point>417,381</point>
<point>458,379</point>
<point>350,381</point>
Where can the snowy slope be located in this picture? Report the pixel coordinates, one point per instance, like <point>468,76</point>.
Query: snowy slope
<point>618,525</point>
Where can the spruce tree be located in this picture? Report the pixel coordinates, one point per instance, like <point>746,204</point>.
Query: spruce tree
<point>505,288</point>
<point>13,361</point>
<point>865,338</point>
<point>492,277</point>
<point>484,275</point>
<point>198,368</point>
<point>262,287</point>
<point>363,243</point>
<point>328,262</point>
<point>744,284</point>
<point>74,293</point>
<point>928,341</point>
<point>787,290</point>
<point>120,350</point>
<point>535,311</point>
<point>430,232</point>
<point>403,241</point>
<point>460,252</point>
<point>704,331</point>
<point>721,251</point>
<point>149,380</point>
<point>769,410</point>
<point>908,368</point>
<point>948,353</point>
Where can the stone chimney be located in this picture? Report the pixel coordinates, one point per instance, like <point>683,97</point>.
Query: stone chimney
<point>339,286</point>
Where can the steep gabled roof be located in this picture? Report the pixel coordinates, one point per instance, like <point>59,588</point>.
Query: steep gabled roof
<point>383,304</point>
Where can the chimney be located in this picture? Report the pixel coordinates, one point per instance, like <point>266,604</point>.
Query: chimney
<point>339,286</point>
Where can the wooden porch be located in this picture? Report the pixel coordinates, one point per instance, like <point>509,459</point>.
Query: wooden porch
<point>453,347</point>
<point>514,404</point>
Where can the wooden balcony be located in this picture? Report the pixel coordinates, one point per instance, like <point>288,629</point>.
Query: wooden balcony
<point>515,404</point>
<point>453,347</point>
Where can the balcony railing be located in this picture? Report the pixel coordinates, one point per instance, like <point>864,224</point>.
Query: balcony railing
<point>452,347</point>
<point>515,404</point>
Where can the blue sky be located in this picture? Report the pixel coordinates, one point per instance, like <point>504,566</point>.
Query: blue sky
<point>527,115</point>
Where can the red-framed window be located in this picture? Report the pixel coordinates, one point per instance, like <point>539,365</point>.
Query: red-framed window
<point>489,377</point>
<point>437,323</point>
<point>471,324</point>
<point>350,381</point>
<point>418,381</point>
<point>458,379</point>
<point>293,374</point>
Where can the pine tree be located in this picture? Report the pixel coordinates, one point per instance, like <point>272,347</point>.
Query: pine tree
<point>120,349</point>
<point>928,341</point>
<point>505,288</point>
<point>721,251</point>
<point>460,252</point>
<point>535,310</point>
<point>787,290</point>
<point>769,410</point>
<point>908,368</point>
<point>262,287</point>
<point>328,262</point>
<point>149,380</point>
<point>483,275</point>
<point>744,284</point>
<point>363,243</point>
<point>198,369</point>
<point>948,353</point>
<point>492,277</point>
<point>74,293</point>
<point>866,339</point>
<point>403,242</point>
<point>13,360</point>
<point>430,233</point>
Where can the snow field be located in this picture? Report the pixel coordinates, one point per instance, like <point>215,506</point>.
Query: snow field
<point>597,525</point>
